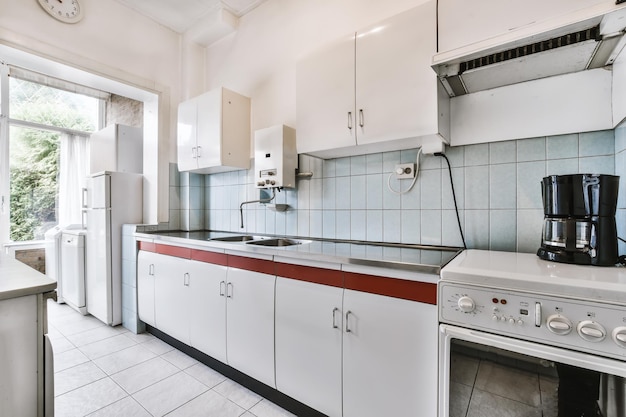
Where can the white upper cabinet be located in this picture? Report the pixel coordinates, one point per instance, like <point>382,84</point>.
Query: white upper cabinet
<point>214,132</point>
<point>373,90</point>
<point>463,23</point>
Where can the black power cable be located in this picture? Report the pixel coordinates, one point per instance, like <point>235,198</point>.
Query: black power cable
<point>456,207</point>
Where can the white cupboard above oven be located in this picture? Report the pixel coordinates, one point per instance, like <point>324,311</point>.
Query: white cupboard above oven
<point>373,90</point>
<point>214,132</point>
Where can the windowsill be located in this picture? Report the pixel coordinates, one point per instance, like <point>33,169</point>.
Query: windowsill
<point>10,248</point>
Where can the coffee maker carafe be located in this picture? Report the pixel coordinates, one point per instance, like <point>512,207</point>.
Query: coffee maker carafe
<point>579,219</point>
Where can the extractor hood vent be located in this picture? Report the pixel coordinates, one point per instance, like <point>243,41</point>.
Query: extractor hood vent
<point>591,34</point>
<point>554,48</point>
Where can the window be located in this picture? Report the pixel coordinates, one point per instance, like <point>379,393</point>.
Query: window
<point>48,130</point>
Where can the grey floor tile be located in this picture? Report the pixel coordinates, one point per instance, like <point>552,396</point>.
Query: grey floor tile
<point>126,407</point>
<point>76,377</point>
<point>509,383</point>
<point>238,394</point>
<point>118,361</point>
<point>265,408</point>
<point>169,394</point>
<point>88,399</point>
<point>143,375</point>
<point>484,404</point>
<point>460,396</point>
<point>68,359</point>
<point>206,375</point>
<point>106,346</point>
<point>209,404</point>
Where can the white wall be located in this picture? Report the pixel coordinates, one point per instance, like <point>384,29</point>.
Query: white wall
<point>117,43</point>
<point>259,59</point>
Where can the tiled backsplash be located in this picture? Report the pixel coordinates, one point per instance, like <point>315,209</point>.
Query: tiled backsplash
<point>497,188</point>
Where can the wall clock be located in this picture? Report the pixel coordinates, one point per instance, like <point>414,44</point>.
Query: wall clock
<point>66,11</point>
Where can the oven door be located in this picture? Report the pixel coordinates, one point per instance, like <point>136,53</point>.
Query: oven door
<point>485,375</point>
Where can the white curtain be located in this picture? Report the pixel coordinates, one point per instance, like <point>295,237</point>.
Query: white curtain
<point>72,173</point>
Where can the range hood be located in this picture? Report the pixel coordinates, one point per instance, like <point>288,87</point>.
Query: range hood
<point>590,38</point>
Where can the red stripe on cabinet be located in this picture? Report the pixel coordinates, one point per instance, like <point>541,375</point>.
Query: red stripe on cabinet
<point>423,292</point>
<point>252,264</point>
<point>209,257</point>
<point>147,246</point>
<point>177,251</point>
<point>322,276</point>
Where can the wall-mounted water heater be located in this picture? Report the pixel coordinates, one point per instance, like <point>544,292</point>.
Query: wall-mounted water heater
<point>275,157</point>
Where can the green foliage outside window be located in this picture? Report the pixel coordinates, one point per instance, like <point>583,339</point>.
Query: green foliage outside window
<point>34,153</point>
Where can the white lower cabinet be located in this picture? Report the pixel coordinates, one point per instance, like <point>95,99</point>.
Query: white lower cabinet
<point>308,343</point>
<point>389,356</point>
<point>353,353</point>
<point>250,323</point>
<point>145,286</point>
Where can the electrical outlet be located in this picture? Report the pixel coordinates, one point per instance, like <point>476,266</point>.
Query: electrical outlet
<point>405,171</point>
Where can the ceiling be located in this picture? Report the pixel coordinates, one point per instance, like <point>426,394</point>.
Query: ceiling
<point>181,15</point>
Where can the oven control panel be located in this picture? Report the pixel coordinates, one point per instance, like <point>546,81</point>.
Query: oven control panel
<point>581,325</point>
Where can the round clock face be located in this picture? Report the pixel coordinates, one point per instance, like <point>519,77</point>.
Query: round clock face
<point>68,11</point>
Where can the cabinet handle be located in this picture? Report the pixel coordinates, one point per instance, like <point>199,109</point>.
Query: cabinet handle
<point>335,310</point>
<point>350,120</point>
<point>186,279</point>
<point>151,270</point>
<point>361,118</point>
<point>229,294</point>
<point>83,198</point>
<point>194,152</point>
<point>199,152</point>
<point>222,288</point>
<point>347,322</point>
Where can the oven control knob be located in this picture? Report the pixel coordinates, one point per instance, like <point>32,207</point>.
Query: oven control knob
<point>558,324</point>
<point>619,336</point>
<point>591,331</point>
<point>466,304</point>
<point>511,320</point>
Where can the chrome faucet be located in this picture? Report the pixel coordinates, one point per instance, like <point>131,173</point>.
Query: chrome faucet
<point>262,200</point>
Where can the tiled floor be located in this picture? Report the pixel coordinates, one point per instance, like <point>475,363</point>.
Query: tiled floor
<point>105,371</point>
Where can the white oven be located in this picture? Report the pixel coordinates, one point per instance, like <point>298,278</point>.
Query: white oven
<point>520,336</point>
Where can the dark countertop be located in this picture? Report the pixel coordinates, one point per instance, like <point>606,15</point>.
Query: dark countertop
<point>411,258</point>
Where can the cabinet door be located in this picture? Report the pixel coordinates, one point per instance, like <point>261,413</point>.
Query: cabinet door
<point>325,98</point>
<point>308,343</point>
<point>170,297</point>
<point>209,129</point>
<point>250,323</point>
<point>396,90</point>
<point>389,356</point>
<point>207,308</point>
<point>145,286</point>
<point>463,23</point>
<point>186,135</point>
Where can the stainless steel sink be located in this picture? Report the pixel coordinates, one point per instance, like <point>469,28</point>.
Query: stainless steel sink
<point>242,238</point>
<point>275,242</point>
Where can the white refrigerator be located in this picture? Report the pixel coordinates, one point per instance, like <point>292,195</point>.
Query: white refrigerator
<point>110,200</point>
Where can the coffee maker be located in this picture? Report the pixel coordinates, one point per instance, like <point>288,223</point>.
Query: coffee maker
<point>579,219</point>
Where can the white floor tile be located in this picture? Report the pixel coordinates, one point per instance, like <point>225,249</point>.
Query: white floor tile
<point>77,324</point>
<point>88,399</point>
<point>206,375</point>
<point>94,335</point>
<point>67,359</point>
<point>157,346</point>
<point>126,407</point>
<point>106,346</point>
<point>118,361</point>
<point>266,408</point>
<point>209,404</point>
<point>179,359</point>
<point>144,374</point>
<point>169,394</point>
<point>238,394</point>
<point>61,344</point>
<point>141,337</point>
<point>76,377</point>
